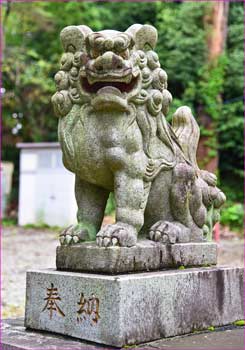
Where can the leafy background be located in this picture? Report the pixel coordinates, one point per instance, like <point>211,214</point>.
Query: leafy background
<point>32,51</point>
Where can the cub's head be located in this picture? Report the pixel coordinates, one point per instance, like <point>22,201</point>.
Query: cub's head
<point>109,69</point>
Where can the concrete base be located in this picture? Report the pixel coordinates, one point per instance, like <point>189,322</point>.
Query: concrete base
<point>131,309</point>
<point>145,256</point>
<point>15,337</point>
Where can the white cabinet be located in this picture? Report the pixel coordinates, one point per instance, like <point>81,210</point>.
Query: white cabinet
<point>7,169</point>
<point>46,193</point>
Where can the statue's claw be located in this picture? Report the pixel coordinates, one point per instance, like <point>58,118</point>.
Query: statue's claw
<point>118,234</point>
<point>73,234</point>
<point>75,239</point>
<point>68,239</point>
<point>114,241</point>
<point>169,232</point>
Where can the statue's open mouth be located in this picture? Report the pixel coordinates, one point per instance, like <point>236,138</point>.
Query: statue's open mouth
<point>122,81</point>
<point>95,87</point>
<point>111,89</point>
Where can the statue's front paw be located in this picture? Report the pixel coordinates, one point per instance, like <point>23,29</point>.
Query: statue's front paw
<point>73,234</point>
<point>169,232</point>
<point>118,234</point>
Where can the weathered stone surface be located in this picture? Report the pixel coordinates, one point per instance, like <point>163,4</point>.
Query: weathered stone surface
<point>134,308</point>
<point>145,256</point>
<point>112,101</point>
<point>15,337</point>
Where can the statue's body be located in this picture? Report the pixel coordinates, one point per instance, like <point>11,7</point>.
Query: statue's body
<point>112,100</point>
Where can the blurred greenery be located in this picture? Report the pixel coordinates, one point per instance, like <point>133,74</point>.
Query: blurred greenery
<point>110,206</point>
<point>6,222</point>
<point>233,215</point>
<point>32,51</point>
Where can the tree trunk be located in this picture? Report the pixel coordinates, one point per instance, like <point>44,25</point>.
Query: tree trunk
<point>217,24</point>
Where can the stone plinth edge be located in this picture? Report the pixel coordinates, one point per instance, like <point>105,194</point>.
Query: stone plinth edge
<point>145,256</point>
<point>135,308</point>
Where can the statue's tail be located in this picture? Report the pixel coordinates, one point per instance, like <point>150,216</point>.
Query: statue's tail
<point>187,131</point>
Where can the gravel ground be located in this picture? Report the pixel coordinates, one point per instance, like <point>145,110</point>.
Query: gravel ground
<point>24,249</point>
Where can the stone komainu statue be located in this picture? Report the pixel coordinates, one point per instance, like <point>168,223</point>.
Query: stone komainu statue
<point>112,100</point>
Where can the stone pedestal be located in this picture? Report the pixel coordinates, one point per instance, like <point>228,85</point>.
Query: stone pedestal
<point>145,256</point>
<point>130,309</point>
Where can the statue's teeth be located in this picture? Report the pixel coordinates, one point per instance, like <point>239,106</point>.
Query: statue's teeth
<point>91,80</point>
<point>114,241</point>
<point>135,72</point>
<point>68,239</point>
<point>99,241</point>
<point>128,79</point>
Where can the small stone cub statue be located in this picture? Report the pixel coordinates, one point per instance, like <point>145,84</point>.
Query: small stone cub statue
<point>112,100</point>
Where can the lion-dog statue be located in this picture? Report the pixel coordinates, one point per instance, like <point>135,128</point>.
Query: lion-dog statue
<point>112,101</point>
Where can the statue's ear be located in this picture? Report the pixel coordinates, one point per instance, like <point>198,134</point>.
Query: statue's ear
<point>144,36</point>
<point>73,37</point>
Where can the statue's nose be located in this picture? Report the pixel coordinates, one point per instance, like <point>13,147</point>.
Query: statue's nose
<point>108,61</point>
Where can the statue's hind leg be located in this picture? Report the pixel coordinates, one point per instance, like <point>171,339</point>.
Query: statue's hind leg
<point>186,200</point>
<point>159,222</point>
<point>175,192</point>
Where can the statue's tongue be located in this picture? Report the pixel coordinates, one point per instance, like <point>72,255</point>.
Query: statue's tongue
<point>109,90</point>
<point>109,98</point>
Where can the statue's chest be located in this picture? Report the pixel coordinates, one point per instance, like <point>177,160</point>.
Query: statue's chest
<point>105,133</point>
<point>103,143</point>
<point>100,133</point>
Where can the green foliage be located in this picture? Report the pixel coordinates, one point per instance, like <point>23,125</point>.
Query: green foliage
<point>7,222</point>
<point>129,13</point>
<point>233,215</point>
<point>239,323</point>
<point>182,54</point>
<point>233,212</point>
<point>31,55</point>
<point>233,189</point>
<point>130,346</point>
<point>212,153</point>
<point>110,206</point>
<point>182,49</point>
<point>231,122</point>
<point>211,86</point>
<point>42,226</point>
<point>32,52</point>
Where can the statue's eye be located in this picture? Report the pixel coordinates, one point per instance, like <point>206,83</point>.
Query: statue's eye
<point>124,54</point>
<point>120,44</point>
<point>98,43</point>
